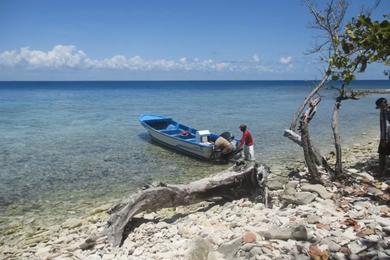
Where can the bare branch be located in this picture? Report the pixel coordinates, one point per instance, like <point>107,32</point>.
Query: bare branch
<point>308,98</point>
<point>368,11</point>
<point>316,49</point>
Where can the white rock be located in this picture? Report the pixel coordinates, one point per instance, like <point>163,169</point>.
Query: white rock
<point>352,170</point>
<point>93,257</point>
<point>365,175</point>
<point>384,222</point>
<point>162,224</point>
<point>258,206</point>
<point>214,255</point>
<point>317,188</point>
<point>280,221</point>
<point>332,245</point>
<point>289,244</point>
<point>138,251</point>
<point>312,219</point>
<point>355,246</point>
<point>43,252</point>
<point>108,257</point>
<point>349,233</point>
<point>150,215</point>
<point>339,256</point>
<point>276,253</point>
<point>263,257</point>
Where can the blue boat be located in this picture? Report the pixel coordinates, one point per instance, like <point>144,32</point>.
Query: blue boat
<point>185,139</point>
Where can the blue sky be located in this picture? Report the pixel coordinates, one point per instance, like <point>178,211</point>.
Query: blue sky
<point>162,40</point>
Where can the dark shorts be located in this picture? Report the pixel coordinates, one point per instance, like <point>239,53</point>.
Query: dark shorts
<point>384,149</point>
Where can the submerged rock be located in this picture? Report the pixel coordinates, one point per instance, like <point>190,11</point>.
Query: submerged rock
<point>72,223</point>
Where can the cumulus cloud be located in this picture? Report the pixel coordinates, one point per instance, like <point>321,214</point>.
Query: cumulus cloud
<point>60,56</point>
<point>285,60</point>
<point>68,56</point>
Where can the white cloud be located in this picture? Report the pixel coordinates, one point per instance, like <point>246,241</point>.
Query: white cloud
<point>68,56</point>
<point>285,60</point>
<point>262,68</point>
<point>60,56</point>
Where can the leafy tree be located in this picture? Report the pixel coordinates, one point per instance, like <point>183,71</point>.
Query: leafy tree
<point>346,51</point>
<point>363,41</point>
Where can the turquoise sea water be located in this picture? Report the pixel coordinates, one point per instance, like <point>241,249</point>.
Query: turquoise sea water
<point>69,145</point>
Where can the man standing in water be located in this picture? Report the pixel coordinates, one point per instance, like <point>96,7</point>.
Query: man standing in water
<point>247,142</point>
<point>384,142</point>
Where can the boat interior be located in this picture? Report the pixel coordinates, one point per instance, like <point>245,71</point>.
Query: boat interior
<point>172,128</point>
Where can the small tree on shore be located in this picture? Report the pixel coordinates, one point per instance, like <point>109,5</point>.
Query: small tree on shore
<point>347,51</point>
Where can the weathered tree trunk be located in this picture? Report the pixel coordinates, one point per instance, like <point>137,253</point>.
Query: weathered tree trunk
<point>308,153</point>
<point>345,95</point>
<point>336,135</point>
<point>236,182</point>
<point>310,157</point>
<point>319,159</point>
<point>299,139</point>
<point>309,97</point>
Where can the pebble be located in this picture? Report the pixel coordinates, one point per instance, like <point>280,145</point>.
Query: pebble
<point>332,245</point>
<point>249,237</point>
<point>312,219</point>
<point>255,251</point>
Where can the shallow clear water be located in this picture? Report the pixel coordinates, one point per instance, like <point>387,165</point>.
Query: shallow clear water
<point>70,145</point>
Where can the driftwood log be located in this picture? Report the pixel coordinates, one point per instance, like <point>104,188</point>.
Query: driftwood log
<point>239,181</point>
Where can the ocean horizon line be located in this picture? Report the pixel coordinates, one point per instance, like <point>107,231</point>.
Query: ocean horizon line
<point>195,80</point>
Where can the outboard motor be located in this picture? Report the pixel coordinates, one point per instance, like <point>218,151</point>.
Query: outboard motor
<point>228,136</point>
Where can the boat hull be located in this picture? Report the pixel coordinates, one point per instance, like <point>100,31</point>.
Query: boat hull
<point>173,139</point>
<point>202,152</point>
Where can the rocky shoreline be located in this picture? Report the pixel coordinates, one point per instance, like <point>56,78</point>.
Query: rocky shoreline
<point>349,220</point>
